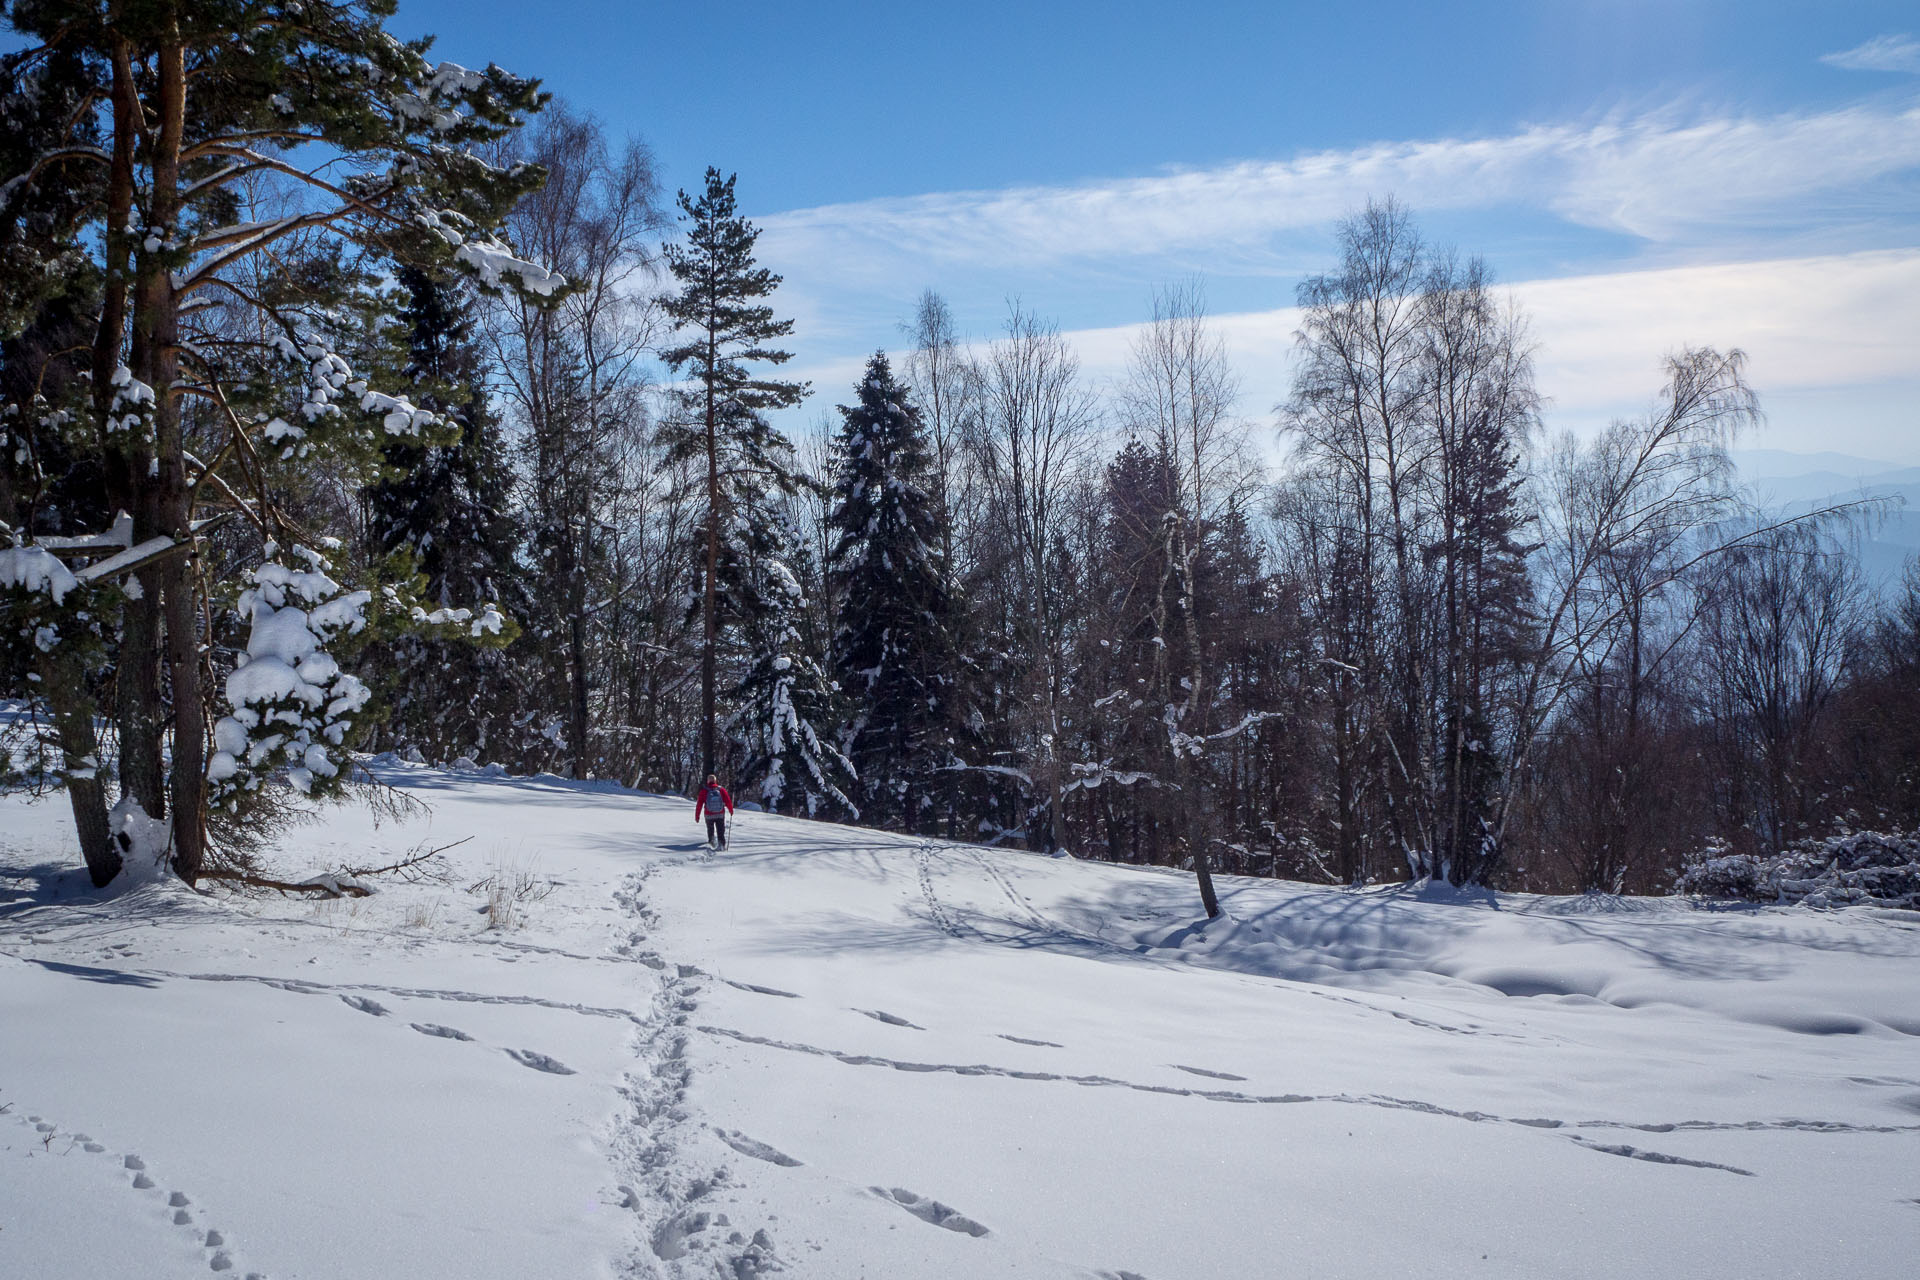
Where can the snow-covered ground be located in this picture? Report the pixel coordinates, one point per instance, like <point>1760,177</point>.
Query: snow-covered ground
<point>828,1052</point>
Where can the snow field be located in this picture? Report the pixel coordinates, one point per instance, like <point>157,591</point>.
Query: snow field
<point>831,1052</point>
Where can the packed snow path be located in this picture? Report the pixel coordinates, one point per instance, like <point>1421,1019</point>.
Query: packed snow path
<point>830,1052</point>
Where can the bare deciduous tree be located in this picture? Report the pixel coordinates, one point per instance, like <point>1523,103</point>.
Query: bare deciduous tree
<point>574,376</point>
<point>1030,445</point>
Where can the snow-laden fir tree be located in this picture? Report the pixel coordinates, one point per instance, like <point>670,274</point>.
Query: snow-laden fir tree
<point>787,705</point>
<point>893,645</point>
<point>720,427</point>
<point>440,515</point>
<point>165,150</point>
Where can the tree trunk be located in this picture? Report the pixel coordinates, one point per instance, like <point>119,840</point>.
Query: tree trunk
<point>709,662</point>
<point>1204,873</point>
<point>157,333</point>
<point>80,755</point>
<point>137,709</point>
<point>577,717</point>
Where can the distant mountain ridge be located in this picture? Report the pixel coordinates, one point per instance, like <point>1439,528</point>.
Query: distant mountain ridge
<point>1790,483</point>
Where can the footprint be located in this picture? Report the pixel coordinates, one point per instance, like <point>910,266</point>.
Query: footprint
<point>540,1062</point>
<point>891,1019</point>
<point>764,991</point>
<point>1202,1071</point>
<point>753,1147</point>
<point>1043,1044</point>
<point>1658,1157</point>
<point>177,1202</point>
<point>672,1239</point>
<point>435,1029</point>
<point>365,1005</point>
<point>759,1257</point>
<point>931,1211</point>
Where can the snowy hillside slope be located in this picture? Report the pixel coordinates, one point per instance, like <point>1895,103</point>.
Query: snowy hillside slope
<point>833,1053</point>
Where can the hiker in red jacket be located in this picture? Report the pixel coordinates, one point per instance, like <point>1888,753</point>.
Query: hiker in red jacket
<point>714,801</point>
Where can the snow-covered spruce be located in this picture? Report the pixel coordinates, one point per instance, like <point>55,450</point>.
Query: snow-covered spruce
<point>892,646</point>
<point>787,702</point>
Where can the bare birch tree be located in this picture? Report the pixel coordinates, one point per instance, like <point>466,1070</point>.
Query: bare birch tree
<point>573,378</point>
<point>1179,392</point>
<point>1032,439</point>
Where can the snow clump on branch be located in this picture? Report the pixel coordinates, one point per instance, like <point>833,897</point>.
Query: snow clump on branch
<point>35,571</point>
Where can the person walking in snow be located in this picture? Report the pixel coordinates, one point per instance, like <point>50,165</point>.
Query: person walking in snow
<point>714,801</point>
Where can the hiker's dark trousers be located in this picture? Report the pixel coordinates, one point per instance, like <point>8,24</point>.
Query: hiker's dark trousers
<point>717,832</point>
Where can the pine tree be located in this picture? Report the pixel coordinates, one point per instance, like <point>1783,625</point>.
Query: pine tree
<point>893,642</point>
<point>179,112</point>
<point>721,425</point>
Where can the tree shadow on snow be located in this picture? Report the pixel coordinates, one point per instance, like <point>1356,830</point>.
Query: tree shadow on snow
<point>111,977</point>
<point>54,894</point>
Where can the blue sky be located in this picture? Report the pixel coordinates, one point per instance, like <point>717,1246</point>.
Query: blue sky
<point>1642,173</point>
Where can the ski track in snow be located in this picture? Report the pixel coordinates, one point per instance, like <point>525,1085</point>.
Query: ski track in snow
<point>303,986</point>
<point>172,1208</point>
<point>1342,1099</point>
<point>942,918</point>
<point>1028,919</point>
<point>1036,923</point>
<point>1024,908</point>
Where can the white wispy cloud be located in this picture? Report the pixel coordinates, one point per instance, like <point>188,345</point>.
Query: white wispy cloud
<point>1807,324</point>
<point>1882,53</point>
<point>1826,321</point>
<point>1657,176</point>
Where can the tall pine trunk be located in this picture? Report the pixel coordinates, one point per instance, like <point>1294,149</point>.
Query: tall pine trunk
<point>710,613</point>
<point>137,708</point>
<point>157,330</point>
<point>578,719</point>
<point>64,684</point>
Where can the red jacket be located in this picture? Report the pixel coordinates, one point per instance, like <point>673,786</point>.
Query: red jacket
<point>700,802</point>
